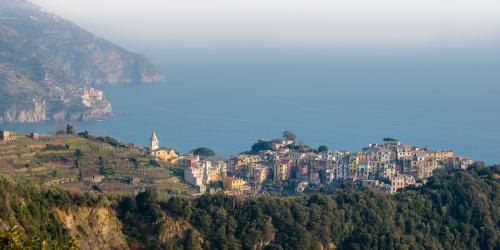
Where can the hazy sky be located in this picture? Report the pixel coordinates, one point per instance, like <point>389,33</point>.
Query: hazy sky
<point>385,22</point>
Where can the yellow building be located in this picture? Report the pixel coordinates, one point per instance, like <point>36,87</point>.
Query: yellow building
<point>443,155</point>
<point>281,169</point>
<point>232,184</point>
<point>162,154</point>
<point>353,164</point>
<point>166,154</point>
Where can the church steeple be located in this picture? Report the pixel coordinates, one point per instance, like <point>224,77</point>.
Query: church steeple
<point>154,142</point>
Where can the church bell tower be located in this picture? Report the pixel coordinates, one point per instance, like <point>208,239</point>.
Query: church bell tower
<point>154,142</point>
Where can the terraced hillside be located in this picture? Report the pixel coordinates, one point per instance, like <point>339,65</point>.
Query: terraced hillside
<point>86,162</point>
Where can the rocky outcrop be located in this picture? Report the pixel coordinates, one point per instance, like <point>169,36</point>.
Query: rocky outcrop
<point>32,112</point>
<point>81,104</point>
<point>174,229</point>
<point>97,228</point>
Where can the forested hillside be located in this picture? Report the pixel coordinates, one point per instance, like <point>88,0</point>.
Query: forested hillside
<point>454,210</point>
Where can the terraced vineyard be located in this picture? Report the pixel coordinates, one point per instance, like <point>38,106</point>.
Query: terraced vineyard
<point>87,163</point>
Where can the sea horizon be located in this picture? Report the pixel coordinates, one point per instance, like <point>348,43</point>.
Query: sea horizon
<point>227,99</point>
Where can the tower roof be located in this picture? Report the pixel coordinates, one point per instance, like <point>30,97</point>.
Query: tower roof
<point>153,137</point>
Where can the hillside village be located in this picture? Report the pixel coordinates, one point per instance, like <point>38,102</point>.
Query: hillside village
<point>282,164</point>
<point>279,167</point>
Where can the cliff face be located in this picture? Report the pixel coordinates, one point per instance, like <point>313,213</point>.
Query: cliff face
<point>43,109</point>
<point>75,55</point>
<point>44,59</point>
<point>97,228</point>
<point>33,110</point>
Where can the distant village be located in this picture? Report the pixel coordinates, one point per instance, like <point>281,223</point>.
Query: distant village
<point>284,164</point>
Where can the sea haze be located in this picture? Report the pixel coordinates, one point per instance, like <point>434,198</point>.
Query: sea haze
<point>227,98</point>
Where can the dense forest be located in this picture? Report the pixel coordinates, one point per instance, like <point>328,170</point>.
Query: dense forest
<point>28,218</point>
<point>455,209</point>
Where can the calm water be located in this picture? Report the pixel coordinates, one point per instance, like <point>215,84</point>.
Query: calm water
<point>226,99</point>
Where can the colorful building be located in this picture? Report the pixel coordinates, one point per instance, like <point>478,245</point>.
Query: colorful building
<point>281,170</point>
<point>232,183</point>
<point>168,155</point>
<point>401,181</point>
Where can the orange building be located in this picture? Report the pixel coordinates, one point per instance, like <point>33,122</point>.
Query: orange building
<point>232,184</point>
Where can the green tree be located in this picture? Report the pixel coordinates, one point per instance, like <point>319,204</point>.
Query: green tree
<point>260,146</point>
<point>388,139</point>
<point>70,129</point>
<point>78,153</point>
<point>204,152</point>
<point>193,240</point>
<point>14,239</point>
<point>287,134</point>
<point>179,207</point>
<point>84,134</point>
<point>322,148</point>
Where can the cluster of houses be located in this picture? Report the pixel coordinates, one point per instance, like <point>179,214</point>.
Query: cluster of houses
<point>8,136</point>
<point>86,95</point>
<point>197,171</point>
<point>202,172</point>
<point>283,162</point>
<point>385,167</point>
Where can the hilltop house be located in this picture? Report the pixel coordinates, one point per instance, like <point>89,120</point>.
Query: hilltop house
<point>281,143</point>
<point>6,135</point>
<point>35,136</point>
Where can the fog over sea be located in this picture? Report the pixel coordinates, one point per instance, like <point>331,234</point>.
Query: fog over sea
<point>226,98</point>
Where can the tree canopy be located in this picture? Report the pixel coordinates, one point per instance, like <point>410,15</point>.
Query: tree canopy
<point>260,146</point>
<point>204,152</point>
<point>388,139</point>
<point>287,134</point>
<point>455,209</point>
<point>322,148</point>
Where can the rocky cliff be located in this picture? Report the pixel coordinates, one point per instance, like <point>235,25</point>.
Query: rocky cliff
<point>44,60</point>
<point>60,104</point>
<point>97,228</point>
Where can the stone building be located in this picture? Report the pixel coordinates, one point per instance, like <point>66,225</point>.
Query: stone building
<point>7,136</point>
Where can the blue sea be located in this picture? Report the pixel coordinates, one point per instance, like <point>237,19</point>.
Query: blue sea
<point>227,98</point>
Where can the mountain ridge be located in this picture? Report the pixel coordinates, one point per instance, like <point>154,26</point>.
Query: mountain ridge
<point>49,67</point>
